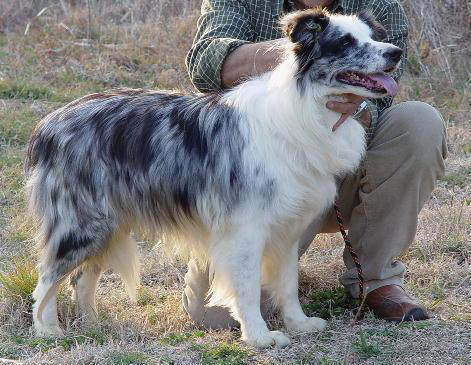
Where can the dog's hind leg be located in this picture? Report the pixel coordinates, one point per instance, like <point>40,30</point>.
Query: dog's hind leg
<point>235,263</point>
<point>121,256</point>
<point>52,271</point>
<point>283,285</point>
<point>66,247</point>
<point>45,307</point>
<point>84,281</point>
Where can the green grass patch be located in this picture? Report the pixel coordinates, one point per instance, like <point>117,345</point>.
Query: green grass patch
<point>224,354</point>
<point>10,353</point>
<point>3,53</point>
<point>19,283</point>
<point>145,296</point>
<point>67,343</point>
<point>15,226</point>
<point>364,348</point>
<point>23,90</point>
<point>70,85</point>
<point>460,179</point>
<point>166,361</point>
<point>16,125</point>
<point>38,343</point>
<point>175,339</point>
<point>9,349</point>
<point>11,159</point>
<point>456,247</point>
<point>68,77</point>
<point>95,335</point>
<point>3,40</point>
<point>329,303</point>
<point>20,232</point>
<point>128,358</point>
<point>325,361</point>
<point>11,175</point>
<point>467,147</point>
<point>416,325</point>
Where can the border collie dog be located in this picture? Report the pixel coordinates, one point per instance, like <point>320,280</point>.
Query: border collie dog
<point>230,178</point>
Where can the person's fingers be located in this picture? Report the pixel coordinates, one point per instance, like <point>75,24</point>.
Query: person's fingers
<point>352,98</point>
<point>346,108</point>
<point>365,120</point>
<point>343,108</point>
<point>342,119</point>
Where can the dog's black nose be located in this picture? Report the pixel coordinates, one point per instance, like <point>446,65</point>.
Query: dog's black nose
<point>394,54</point>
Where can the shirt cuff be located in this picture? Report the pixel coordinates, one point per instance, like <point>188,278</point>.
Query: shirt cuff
<point>216,53</point>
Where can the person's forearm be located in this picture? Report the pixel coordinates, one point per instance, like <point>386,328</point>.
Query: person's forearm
<point>250,60</point>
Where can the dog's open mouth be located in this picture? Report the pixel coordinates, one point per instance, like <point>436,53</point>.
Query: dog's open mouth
<point>377,82</point>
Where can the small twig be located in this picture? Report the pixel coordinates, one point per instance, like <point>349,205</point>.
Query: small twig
<point>83,43</point>
<point>89,19</point>
<point>360,309</point>
<point>43,10</point>
<point>66,28</point>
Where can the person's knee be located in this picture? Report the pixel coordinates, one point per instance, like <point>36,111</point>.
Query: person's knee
<point>424,128</point>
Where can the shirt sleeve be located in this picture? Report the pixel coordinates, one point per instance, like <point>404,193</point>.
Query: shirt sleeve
<point>393,18</point>
<point>223,26</point>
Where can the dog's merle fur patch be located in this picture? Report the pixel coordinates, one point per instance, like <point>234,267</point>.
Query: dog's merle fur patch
<point>163,149</point>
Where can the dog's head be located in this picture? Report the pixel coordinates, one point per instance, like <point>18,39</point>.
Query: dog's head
<point>343,53</point>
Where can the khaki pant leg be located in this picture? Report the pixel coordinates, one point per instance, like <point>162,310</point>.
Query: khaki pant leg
<point>403,162</point>
<point>381,201</point>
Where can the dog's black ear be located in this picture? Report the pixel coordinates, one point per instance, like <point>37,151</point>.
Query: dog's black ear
<point>367,17</point>
<point>303,27</point>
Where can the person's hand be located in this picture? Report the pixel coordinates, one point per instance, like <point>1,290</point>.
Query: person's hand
<point>347,107</point>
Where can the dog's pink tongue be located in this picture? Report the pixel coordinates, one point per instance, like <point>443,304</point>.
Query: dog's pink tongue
<point>387,82</point>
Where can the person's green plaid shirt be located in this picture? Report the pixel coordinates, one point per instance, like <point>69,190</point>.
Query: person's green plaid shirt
<point>226,24</point>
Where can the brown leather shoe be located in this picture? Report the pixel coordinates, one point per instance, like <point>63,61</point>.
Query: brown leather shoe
<point>392,303</point>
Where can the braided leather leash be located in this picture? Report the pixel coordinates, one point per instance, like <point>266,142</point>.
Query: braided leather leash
<point>361,281</point>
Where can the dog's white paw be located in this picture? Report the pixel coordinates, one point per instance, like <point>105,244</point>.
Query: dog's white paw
<point>267,339</point>
<point>307,325</point>
<point>48,330</point>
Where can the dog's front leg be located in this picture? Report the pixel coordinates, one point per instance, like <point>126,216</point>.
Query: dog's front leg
<point>285,292</point>
<point>236,263</point>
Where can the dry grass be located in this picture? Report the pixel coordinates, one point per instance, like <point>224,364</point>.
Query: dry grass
<point>54,51</point>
